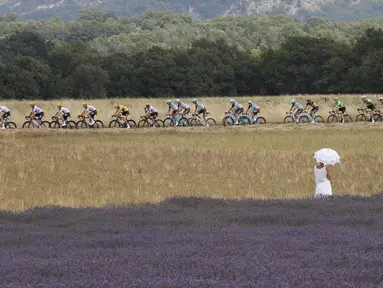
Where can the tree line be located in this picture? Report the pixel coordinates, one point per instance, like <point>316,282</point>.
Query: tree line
<point>33,66</point>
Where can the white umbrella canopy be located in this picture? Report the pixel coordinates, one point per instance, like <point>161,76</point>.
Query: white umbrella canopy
<point>327,156</point>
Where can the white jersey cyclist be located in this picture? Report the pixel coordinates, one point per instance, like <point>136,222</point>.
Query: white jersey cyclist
<point>4,109</point>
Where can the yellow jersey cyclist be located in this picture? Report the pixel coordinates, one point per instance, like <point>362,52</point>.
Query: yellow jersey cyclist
<point>123,113</point>
<point>36,114</point>
<point>62,114</point>
<point>6,113</point>
<point>183,107</point>
<point>200,108</point>
<point>254,110</point>
<point>150,112</point>
<point>296,109</point>
<point>314,108</point>
<point>370,107</point>
<point>236,108</point>
<point>90,111</point>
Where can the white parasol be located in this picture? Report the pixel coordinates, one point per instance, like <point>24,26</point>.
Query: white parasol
<point>327,156</point>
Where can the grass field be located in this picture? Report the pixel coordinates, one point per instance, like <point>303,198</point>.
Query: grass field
<point>97,168</point>
<point>272,108</point>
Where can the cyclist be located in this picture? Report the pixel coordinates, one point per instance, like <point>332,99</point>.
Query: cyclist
<point>150,112</point>
<point>254,110</point>
<point>200,108</point>
<point>90,111</point>
<point>381,102</point>
<point>6,113</point>
<point>296,109</point>
<point>36,114</point>
<point>122,112</point>
<point>339,105</point>
<point>314,108</point>
<point>370,107</point>
<point>173,109</point>
<point>62,114</point>
<point>183,107</point>
<point>236,108</point>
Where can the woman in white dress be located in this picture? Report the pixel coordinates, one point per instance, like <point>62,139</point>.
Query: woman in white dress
<point>322,178</point>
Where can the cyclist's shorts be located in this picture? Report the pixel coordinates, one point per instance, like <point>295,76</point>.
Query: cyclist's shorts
<point>315,109</point>
<point>154,115</point>
<point>66,116</point>
<point>343,109</point>
<point>125,113</point>
<point>93,113</point>
<point>239,110</point>
<point>39,115</point>
<point>202,111</point>
<point>187,111</point>
<point>256,111</point>
<point>6,114</point>
<point>371,107</point>
<point>300,111</point>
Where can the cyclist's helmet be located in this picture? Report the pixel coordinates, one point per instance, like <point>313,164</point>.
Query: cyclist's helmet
<point>59,105</point>
<point>308,100</point>
<point>194,100</point>
<point>381,99</point>
<point>84,103</point>
<point>147,104</point>
<point>116,106</point>
<point>168,101</point>
<point>293,101</point>
<point>32,103</point>
<point>178,101</point>
<point>232,101</point>
<point>364,97</point>
<point>336,99</point>
<point>250,102</point>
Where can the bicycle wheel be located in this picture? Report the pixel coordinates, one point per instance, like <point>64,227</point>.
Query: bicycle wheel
<point>158,123</point>
<point>183,122</point>
<point>361,118</point>
<point>11,125</point>
<point>114,124</point>
<point>318,119</point>
<point>143,123</point>
<point>169,122</point>
<point>98,124</point>
<point>81,125</point>
<point>192,122</point>
<point>288,120</point>
<point>210,122</point>
<point>227,121</point>
<point>132,124</point>
<point>304,119</point>
<point>54,125</point>
<point>71,125</point>
<point>378,118</point>
<point>332,119</point>
<point>243,120</point>
<point>347,118</point>
<point>45,124</point>
<point>27,124</point>
<point>260,120</point>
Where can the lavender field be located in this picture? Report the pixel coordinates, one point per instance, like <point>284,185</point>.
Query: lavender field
<point>197,242</point>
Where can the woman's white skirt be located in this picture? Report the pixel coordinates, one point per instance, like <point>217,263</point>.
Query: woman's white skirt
<point>323,189</point>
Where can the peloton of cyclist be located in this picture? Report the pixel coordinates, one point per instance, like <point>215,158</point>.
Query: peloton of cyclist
<point>254,110</point>
<point>339,106</point>
<point>183,107</point>
<point>90,111</point>
<point>296,109</point>
<point>200,108</point>
<point>6,113</point>
<point>236,108</point>
<point>314,108</point>
<point>122,112</point>
<point>370,107</point>
<point>36,114</point>
<point>62,114</point>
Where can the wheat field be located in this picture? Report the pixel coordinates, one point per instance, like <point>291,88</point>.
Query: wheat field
<point>97,168</point>
<point>272,108</point>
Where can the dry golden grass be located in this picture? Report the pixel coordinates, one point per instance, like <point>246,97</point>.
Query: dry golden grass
<point>96,168</point>
<point>272,108</point>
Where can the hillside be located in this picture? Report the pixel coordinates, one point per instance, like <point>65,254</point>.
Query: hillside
<point>340,10</point>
